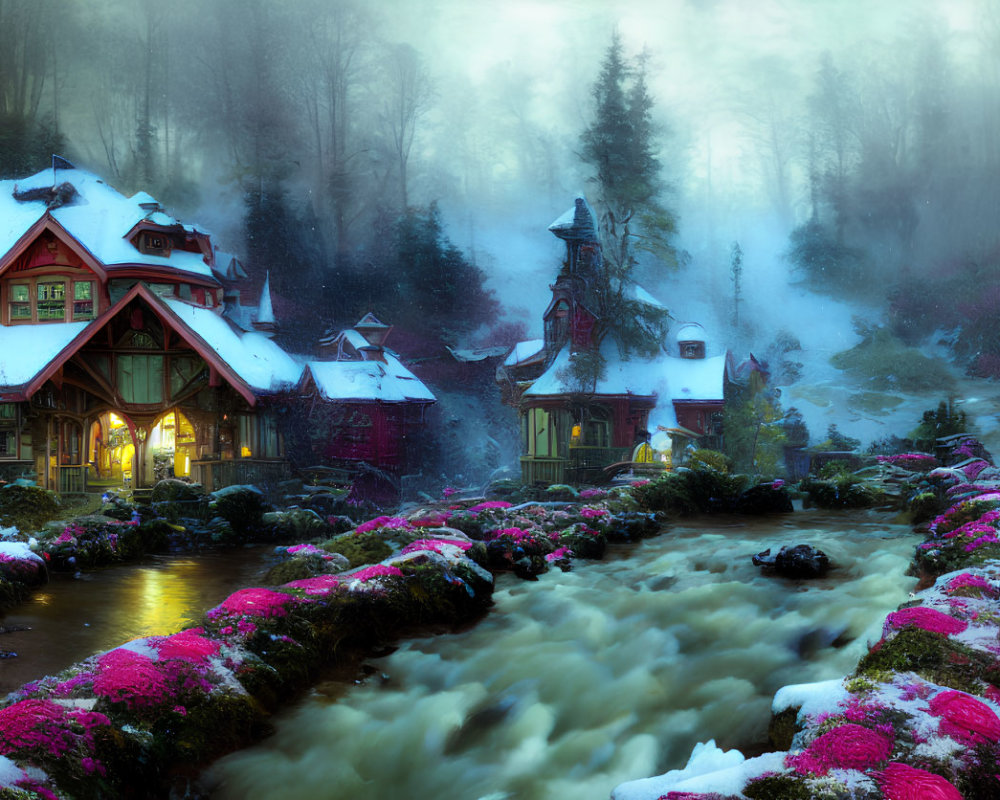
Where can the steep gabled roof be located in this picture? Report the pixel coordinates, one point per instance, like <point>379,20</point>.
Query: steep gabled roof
<point>366,381</point>
<point>99,218</point>
<point>250,362</point>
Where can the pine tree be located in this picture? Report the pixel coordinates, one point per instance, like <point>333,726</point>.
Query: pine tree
<point>619,146</point>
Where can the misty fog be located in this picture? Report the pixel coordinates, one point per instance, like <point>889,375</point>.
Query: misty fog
<point>296,131</point>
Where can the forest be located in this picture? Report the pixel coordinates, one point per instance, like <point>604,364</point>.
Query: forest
<point>349,150</point>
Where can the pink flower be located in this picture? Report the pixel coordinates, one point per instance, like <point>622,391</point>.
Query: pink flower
<point>435,545</point>
<point>256,602</point>
<point>847,746</point>
<point>375,571</point>
<point>903,782</point>
<point>559,554</point>
<point>970,581</point>
<point>383,522</point>
<point>438,520</point>
<point>594,513</point>
<point>927,619</point>
<point>320,585</point>
<point>490,504</point>
<point>188,645</point>
<point>129,677</point>
<point>964,718</point>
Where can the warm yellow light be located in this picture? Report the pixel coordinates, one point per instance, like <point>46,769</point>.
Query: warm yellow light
<point>245,451</point>
<point>116,421</point>
<point>576,431</point>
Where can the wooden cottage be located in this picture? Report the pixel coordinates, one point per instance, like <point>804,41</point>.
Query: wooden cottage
<point>577,433</point>
<point>119,359</point>
<point>362,404</point>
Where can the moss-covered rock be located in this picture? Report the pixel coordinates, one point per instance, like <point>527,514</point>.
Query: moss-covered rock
<point>846,491</point>
<point>300,524</point>
<point>242,507</point>
<point>934,657</point>
<point>360,548</point>
<point>26,507</point>
<point>778,787</point>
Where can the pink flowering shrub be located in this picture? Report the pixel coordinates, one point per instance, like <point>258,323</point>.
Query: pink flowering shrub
<point>130,677</point>
<point>42,730</point>
<point>253,602</point>
<point>320,585</point>
<point>847,746</point>
<point>903,782</point>
<point>438,520</point>
<point>383,522</point>
<point>309,550</point>
<point>593,494</point>
<point>436,545</point>
<point>375,571</point>
<point>489,504</point>
<point>594,513</point>
<point>964,718</point>
<point>916,462</point>
<point>927,619</point>
<point>189,645</point>
<point>560,554</point>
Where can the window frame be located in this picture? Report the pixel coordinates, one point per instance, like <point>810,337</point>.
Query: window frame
<point>36,305</point>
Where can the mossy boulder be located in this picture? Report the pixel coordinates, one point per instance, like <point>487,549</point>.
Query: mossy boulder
<point>765,498</point>
<point>934,657</point>
<point>172,499</point>
<point>242,507</point>
<point>300,524</point>
<point>27,508</point>
<point>360,548</point>
<point>846,491</point>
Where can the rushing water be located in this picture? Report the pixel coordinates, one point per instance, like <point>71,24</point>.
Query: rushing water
<point>72,618</point>
<point>579,681</point>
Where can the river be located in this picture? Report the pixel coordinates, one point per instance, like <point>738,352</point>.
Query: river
<point>71,618</point>
<point>581,680</point>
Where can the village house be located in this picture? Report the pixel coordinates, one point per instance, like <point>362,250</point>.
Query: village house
<point>638,411</point>
<point>126,354</point>
<point>362,403</point>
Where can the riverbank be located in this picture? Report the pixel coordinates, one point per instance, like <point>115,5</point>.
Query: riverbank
<point>151,712</point>
<point>920,715</point>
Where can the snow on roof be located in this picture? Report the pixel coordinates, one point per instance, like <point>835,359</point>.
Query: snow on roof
<point>523,351</point>
<point>25,350</point>
<point>476,354</point>
<point>577,223</point>
<point>636,292</point>
<point>389,382</point>
<point>253,356</point>
<point>690,332</point>
<point>668,378</point>
<point>99,218</point>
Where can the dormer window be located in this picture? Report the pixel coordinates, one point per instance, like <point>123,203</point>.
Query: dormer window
<point>154,243</point>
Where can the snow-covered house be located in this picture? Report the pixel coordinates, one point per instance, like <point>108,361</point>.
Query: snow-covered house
<point>117,359</point>
<point>362,402</point>
<point>574,432</point>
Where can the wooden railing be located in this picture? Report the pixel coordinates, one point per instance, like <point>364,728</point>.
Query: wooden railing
<point>214,475</point>
<point>542,470</point>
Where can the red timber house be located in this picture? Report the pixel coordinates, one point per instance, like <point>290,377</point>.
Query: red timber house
<point>639,410</point>
<point>362,403</point>
<point>122,354</point>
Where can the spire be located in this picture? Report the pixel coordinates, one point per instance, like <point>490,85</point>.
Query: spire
<point>265,321</point>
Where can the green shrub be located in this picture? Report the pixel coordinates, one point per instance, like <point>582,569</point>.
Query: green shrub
<point>27,507</point>
<point>883,362</point>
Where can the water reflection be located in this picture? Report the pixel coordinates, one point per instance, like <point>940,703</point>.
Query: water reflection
<point>73,618</point>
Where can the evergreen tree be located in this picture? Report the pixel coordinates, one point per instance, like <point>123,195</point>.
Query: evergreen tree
<point>736,273</point>
<point>619,146</point>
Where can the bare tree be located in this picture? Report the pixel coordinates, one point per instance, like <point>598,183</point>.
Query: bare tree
<point>409,91</point>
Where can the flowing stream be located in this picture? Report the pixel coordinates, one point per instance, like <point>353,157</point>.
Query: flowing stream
<point>581,680</point>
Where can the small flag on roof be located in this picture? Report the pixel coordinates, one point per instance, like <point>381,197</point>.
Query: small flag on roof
<point>58,162</point>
